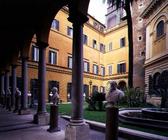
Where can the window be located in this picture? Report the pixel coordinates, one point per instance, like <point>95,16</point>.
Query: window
<point>95,24</point>
<point>121,68</point>
<point>110,70</point>
<point>101,28</point>
<point>111,21</point>
<point>35,53</point>
<point>122,42</point>
<point>94,44</point>
<point>102,89</point>
<point>102,71</point>
<point>140,38</point>
<point>140,5</point>
<point>69,31</point>
<point>95,69</point>
<point>55,24</point>
<point>110,46</point>
<point>86,66</point>
<point>160,29</point>
<point>70,62</point>
<point>52,57</point>
<point>94,88</point>
<point>102,48</point>
<point>85,39</point>
<point>140,20</point>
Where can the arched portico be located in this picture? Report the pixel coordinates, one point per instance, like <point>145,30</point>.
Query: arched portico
<point>37,20</point>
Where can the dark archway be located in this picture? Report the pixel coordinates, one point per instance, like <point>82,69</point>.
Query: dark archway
<point>156,77</point>
<point>122,85</point>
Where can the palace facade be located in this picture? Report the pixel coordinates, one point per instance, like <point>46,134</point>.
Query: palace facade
<point>156,61</point>
<point>105,57</point>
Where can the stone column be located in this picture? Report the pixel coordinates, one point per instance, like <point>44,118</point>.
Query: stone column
<point>2,89</point>
<point>42,117</point>
<point>13,90</point>
<point>24,97</point>
<point>77,129</point>
<point>6,89</point>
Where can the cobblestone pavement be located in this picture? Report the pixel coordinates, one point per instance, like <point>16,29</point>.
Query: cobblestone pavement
<point>20,127</point>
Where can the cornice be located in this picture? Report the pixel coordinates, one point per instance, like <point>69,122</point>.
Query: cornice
<point>68,71</point>
<point>154,61</point>
<point>150,7</point>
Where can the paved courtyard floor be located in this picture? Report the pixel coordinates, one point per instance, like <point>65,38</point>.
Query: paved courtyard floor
<point>20,127</point>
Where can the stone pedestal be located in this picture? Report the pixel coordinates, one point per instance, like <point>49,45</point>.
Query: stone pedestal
<point>25,111</point>
<point>111,123</point>
<point>17,104</point>
<point>41,118</point>
<point>53,119</point>
<point>77,132</point>
<point>8,103</point>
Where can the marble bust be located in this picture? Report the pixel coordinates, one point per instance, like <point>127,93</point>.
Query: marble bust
<point>114,94</point>
<point>55,95</point>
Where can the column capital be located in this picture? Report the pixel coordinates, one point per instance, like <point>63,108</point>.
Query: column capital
<point>2,73</point>
<point>42,44</point>
<point>77,18</point>
<point>7,70</point>
<point>24,57</point>
<point>14,65</point>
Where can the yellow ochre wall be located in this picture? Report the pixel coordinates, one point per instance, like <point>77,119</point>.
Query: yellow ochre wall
<point>62,43</point>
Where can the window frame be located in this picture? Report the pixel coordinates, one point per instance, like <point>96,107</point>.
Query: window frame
<point>110,69</point>
<point>34,57</point>
<point>70,60</point>
<point>87,68</point>
<point>110,46</point>
<point>70,31</point>
<point>160,31</point>
<point>102,48</point>
<point>94,45</point>
<point>85,39</point>
<point>102,71</point>
<point>51,60</point>
<point>121,68</point>
<point>55,24</point>
<point>122,42</point>
<point>95,71</point>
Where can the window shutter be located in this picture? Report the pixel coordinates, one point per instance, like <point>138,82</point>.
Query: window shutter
<point>124,67</point>
<point>118,68</point>
<point>49,57</point>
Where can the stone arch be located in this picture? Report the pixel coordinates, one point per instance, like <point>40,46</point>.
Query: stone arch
<point>160,17</point>
<point>43,30</point>
<point>163,80</point>
<point>156,77</point>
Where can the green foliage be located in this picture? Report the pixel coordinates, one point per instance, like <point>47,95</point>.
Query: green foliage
<point>95,102</point>
<point>134,97</point>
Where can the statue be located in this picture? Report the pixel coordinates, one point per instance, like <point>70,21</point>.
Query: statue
<point>55,96</point>
<point>17,99</point>
<point>18,92</point>
<point>8,92</point>
<point>3,92</point>
<point>114,94</point>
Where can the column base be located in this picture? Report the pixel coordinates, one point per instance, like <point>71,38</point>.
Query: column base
<point>77,132</point>
<point>24,111</point>
<point>15,110</point>
<point>51,130</point>
<point>41,118</point>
